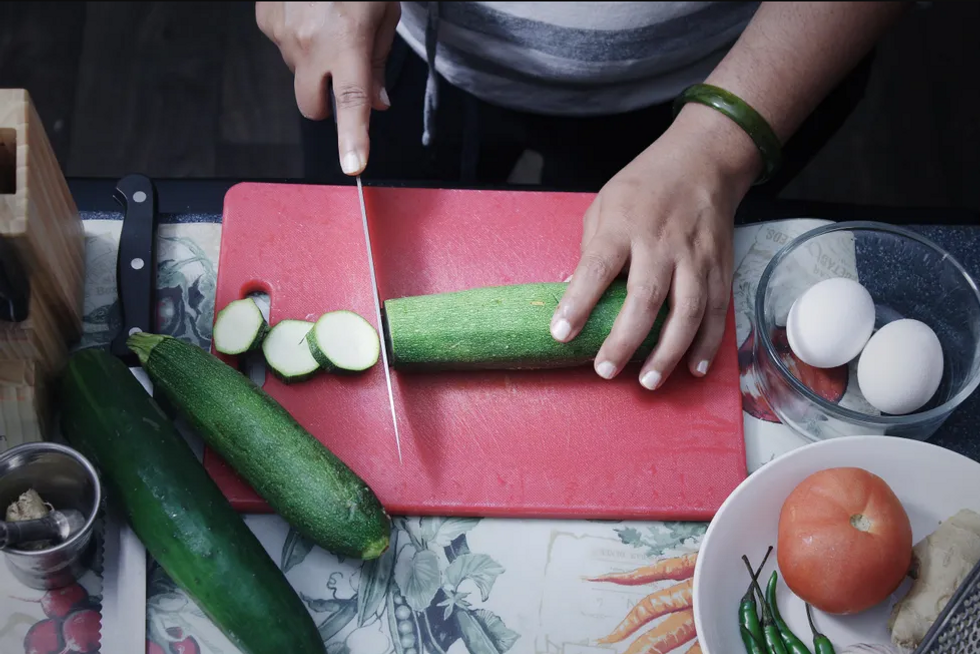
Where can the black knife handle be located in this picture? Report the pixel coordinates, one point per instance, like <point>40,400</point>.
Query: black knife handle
<point>136,261</point>
<point>15,287</point>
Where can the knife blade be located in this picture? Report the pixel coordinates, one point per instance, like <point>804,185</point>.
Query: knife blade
<point>123,554</point>
<point>123,586</point>
<point>374,290</point>
<point>377,311</point>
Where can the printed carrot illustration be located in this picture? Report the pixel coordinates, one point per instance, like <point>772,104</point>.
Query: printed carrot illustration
<point>667,600</point>
<point>695,649</point>
<point>677,569</point>
<point>670,634</point>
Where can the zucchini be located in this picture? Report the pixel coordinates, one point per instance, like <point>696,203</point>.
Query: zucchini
<point>301,479</point>
<point>239,327</point>
<point>177,511</point>
<point>499,327</point>
<point>342,341</point>
<point>287,353</point>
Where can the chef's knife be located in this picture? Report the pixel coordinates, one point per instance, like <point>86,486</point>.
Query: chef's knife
<point>124,556</point>
<point>377,310</point>
<point>374,294</point>
<point>135,263</point>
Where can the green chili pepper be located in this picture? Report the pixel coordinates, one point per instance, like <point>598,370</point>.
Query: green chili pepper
<point>748,617</point>
<point>821,644</point>
<point>793,644</point>
<point>774,642</point>
<point>752,646</point>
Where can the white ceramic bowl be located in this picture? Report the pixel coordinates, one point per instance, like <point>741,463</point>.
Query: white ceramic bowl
<point>933,483</point>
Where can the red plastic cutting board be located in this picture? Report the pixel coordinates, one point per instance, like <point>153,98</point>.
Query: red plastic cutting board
<point>560,443</point>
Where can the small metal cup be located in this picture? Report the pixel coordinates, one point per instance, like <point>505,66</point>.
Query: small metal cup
<point>66,480</point>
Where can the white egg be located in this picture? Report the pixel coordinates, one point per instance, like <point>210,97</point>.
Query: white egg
<point>901,367</point>
<point>830,323</point>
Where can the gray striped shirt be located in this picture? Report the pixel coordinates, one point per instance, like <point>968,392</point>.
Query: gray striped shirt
<point>572,58</point>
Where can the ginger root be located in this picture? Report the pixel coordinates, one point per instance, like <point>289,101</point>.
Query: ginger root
<point>29,506</point>
<point>942,562</point>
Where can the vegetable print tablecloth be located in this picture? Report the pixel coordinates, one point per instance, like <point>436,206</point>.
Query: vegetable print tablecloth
<point>447,585</point>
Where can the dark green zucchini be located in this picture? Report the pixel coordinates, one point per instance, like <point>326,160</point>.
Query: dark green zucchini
<point>177,511</point>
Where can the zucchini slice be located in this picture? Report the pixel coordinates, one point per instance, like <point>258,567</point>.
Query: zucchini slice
<point>287,352</point>
<point>239,327</point>
<point>343,341</point>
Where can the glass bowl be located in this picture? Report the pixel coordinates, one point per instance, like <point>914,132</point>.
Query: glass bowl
<point>908,276</point>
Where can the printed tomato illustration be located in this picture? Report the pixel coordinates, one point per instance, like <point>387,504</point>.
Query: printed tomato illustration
<point>829,383</point>
<point>753,402</point>
<point>44,637</point>
<point>186,646</point>
<point>59,603</point>
<point>81,631</point>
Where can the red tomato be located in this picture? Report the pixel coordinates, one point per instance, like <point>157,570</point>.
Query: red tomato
<point>845,541</point>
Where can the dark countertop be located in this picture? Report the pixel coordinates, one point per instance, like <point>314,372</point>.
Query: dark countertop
<point>959,432</point>
<point>957,231</point>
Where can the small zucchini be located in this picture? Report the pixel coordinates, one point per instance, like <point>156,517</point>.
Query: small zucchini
<point>298,476</point>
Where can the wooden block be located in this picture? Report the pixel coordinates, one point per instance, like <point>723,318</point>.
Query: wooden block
<point>33,339</point>
<point>40,223</point>
<point>23,415</point>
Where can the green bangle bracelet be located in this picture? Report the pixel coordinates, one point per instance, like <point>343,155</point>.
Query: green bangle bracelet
<point>742,115</point>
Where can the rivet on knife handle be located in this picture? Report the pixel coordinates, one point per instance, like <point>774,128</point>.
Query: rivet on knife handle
<point>377,311</point>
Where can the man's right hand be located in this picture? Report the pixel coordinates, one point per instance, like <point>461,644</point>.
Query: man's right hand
<point>342,44</point>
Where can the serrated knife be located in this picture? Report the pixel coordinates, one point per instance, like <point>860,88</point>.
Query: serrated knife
<point>124,556</point>
<point>377,313</point>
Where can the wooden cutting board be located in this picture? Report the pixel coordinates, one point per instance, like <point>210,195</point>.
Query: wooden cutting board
<point>559,443</point>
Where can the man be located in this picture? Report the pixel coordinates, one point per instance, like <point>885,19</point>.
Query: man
<point>591,85</point>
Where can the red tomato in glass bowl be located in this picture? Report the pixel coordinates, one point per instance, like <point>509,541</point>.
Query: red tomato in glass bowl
<point>844,540</point>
